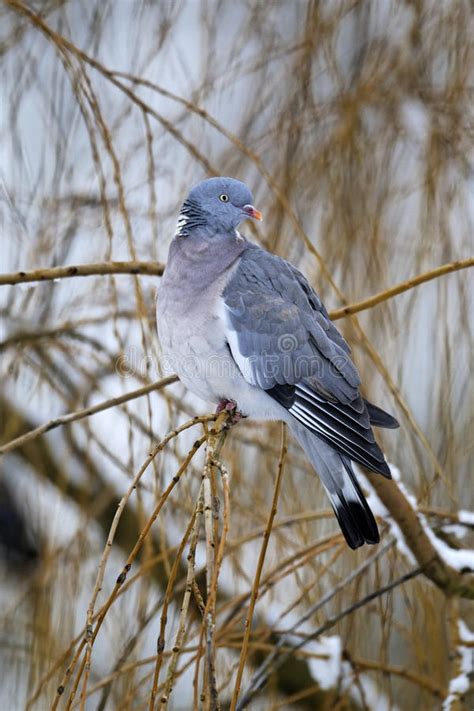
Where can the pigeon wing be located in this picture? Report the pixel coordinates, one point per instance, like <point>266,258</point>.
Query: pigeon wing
<point>283,341</point>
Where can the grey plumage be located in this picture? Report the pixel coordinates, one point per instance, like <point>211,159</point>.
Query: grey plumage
<point>283,330</point>
<point>238,323</point>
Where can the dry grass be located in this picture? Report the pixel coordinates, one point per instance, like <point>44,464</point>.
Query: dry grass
<point>169,568</point>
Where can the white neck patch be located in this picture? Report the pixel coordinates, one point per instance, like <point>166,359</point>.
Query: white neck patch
<point>182,221</point>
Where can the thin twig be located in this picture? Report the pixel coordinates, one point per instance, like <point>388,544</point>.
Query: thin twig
<point>190,577</point>
<point>196,592</point>
<point>342,585</point>
<point>258,573</point>
<point>160,647</point>
<point>216,441</point>
<point>258,682</point>
<point>113,528</point>
<point>85,412</point>
<point>421,680</point>
<point>123,575</point>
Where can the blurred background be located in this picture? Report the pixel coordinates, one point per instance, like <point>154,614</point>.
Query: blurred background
<point>353,124</point>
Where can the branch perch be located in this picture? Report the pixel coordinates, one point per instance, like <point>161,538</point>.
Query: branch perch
<point>157,269</point>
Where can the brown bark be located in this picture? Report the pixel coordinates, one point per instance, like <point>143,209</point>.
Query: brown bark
<point>451,581</point>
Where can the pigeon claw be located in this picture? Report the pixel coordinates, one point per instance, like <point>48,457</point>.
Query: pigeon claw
<point>230,406</point>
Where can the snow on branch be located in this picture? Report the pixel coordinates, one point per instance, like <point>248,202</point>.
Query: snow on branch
<point>451,570</point>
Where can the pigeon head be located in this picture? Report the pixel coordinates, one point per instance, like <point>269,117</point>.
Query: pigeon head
<point>218,204</point>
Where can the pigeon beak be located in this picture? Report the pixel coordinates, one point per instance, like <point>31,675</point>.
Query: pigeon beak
<point>252,211</point>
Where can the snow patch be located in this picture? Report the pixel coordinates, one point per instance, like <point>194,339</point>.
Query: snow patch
<point>461,560</point>
<point>460,684</point>
<point>456,530</point>
<point>466,517</point>
<point>379,509</point>
<point>365,693</point>
<point>327,670</point>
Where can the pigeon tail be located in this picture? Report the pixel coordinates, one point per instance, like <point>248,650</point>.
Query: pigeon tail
<point>353,514</point>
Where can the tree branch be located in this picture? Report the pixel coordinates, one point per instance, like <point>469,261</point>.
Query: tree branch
<point>82,270</point>
<point>451,581</point>
<point>400,288</point>
<point>157,269</point>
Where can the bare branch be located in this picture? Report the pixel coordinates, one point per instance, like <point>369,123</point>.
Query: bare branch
<point>85,412</point>
<point>82,270</point>
<point>451,581</point>
<point>157,269</point>
<point>400,288</point>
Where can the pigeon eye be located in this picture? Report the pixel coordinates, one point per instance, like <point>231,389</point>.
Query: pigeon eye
<point>224,198</point>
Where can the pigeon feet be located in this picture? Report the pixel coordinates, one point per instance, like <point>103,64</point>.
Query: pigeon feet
<point>230,406</point>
